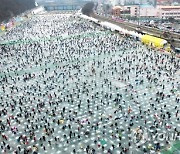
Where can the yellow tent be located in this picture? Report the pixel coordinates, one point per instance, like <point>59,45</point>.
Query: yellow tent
<point>153,41</point>
<point>2,27</point>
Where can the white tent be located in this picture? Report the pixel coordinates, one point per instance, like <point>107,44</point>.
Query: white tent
<point>89,18</point>
<point>38,10</point>
<point>112,27</point>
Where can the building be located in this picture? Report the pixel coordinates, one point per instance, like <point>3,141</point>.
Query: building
<point>133,2</point>
<point>143,11</point>
<point>148,11</point>
<point>116,10</point>
<point>163,12</point>
<point>164,2</point>
<point>166,12</point>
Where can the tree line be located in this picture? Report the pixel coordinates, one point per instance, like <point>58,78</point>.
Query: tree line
<point>11,8</point>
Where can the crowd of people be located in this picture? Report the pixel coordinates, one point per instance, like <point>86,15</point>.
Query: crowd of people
<point>70,86</point>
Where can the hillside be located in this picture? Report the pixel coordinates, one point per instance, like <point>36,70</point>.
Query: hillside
<point>10,8</point>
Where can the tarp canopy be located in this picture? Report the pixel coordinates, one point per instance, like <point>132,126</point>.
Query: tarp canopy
<point>111,26</point>
<point>38,10</point>
<point>2,28</point>
<point>89,18</point>
<point>114,27</point>
<point>154,41</point>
